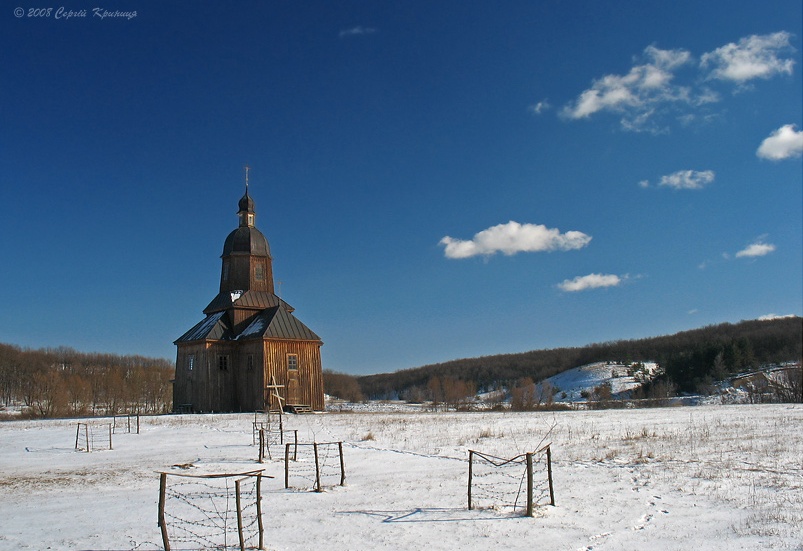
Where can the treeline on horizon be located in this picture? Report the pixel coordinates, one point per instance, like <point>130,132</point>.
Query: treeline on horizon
<point>61,382</point>
<point>692,360</point>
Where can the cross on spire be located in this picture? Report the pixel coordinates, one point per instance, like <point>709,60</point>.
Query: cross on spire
<point>246,179</point>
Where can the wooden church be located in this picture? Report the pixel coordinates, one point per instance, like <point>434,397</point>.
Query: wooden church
<point>250,352</point>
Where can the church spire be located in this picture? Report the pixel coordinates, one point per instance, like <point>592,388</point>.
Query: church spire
<point>246,213</point>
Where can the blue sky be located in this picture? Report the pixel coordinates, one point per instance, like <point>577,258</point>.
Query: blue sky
<point>437,180</point>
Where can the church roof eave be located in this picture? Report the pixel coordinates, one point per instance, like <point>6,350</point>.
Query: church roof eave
<point>212,327</point>
<point>249,300</point>
<point>278,323</point>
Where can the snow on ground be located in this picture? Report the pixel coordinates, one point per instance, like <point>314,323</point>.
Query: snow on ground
<point>707,477</point>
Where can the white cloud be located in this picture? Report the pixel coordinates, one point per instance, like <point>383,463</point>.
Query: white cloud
<point>655,91</point>
<point>356,31</point>
<point>756,249</point>
<point>755,56</point>
<point>687,179</point>
<point>635,94</point>
<point>782,144</point>
<point>540,107</point>
<point>512,238</point>
<point>644,184</point>
<point>590,281</point>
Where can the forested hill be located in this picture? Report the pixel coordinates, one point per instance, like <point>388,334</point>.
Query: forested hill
<point>690,358</point>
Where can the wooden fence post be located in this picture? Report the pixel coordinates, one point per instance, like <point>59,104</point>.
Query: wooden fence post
<point>110,436</point>
<point>317,469</point>
<point>529,484</point>
<point>162,525</point>
<point>86,433</point>
<point>549,474</point>
<point>261,445</point>
<point>77,433</point>
<point>470,469</point>
<point>342,466</point>
<point>239,514</point>
<point>286,466</point>
<point>259,511</point>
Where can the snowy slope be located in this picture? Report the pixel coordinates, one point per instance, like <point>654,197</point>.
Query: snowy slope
<point>584,378</point>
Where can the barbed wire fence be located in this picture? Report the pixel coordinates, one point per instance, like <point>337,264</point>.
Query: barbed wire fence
<point>314,466</point>
<point>268,431</point>
<point>267,439</point>
<point>126,423</point>
<point>518,483</point>
<point>213,511</point>
<point>93,436</point>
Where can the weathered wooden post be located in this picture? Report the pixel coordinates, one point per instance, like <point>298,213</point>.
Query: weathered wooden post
<point>549,475</point>
<point>261,445</point>
<point>342,465</point>
<point>110,436</point>
<point>317,468</point>
<point>239,514</point>
<point>259,511</point>
<point>529,484</point>
<point>162,525</point>
<point>286,466</point>
<point>77,433</point>
<point>470,469</point>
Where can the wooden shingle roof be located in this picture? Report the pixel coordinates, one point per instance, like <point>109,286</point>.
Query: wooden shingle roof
<point>252,300</point>
<point>278,323</point>
<point>213,327</point>
<point>271,323</point>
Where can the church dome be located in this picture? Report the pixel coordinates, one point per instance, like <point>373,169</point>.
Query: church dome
<point>248,240</point>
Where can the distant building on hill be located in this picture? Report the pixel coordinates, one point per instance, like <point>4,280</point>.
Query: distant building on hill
<point>250,352</point>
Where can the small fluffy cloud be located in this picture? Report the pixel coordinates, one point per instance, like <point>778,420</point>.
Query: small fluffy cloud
<point>759,248</point>
<point>635,94</point>
<point>356,31</point>
<point>752,57</point>
<point>687,179</point>
<point>590,281</point>
<point>784,143</point>
<point>656,90</point>
<point>539,107</point>
<point>512,238</point>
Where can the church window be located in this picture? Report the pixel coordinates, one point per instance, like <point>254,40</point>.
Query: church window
<point>190,362</point>
<point>259,272</point>
<point>223,363</point>
<point>292,362</point>
<point>225,270</point>
<point>250,362</point>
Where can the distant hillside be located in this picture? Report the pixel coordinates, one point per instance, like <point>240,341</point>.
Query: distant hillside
<point>690,358</point>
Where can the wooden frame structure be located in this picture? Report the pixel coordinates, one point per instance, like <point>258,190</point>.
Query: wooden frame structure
<point>238,479</point>
<point>525,459</point>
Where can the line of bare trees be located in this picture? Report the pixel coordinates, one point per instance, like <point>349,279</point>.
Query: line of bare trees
<point>61,382</point>
<point>692,359</point>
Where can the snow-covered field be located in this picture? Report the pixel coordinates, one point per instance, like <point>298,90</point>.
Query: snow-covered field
<point>707,477</point>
